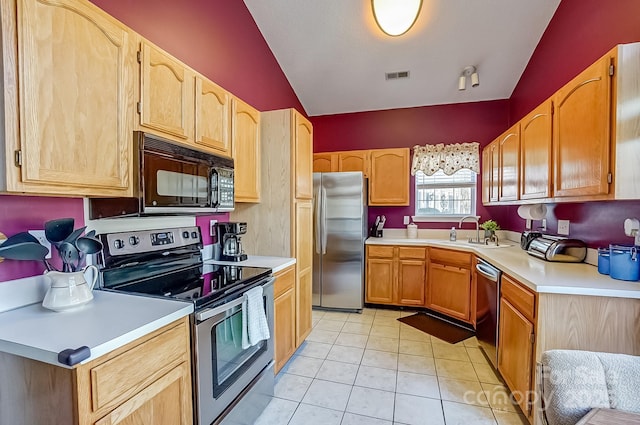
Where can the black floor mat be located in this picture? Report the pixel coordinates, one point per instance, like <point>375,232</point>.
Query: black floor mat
<point>439,328</point>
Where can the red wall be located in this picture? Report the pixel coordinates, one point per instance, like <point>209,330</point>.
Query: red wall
<point>462,122</point>
<point>580,32</point>
<point>216,37</point>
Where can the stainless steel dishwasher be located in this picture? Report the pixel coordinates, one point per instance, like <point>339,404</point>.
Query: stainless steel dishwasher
<point>488,309</point>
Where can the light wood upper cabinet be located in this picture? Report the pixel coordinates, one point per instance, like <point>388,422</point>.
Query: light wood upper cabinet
<point>494,178</point>
<point>325,162</point>
<point>486,175</point>
<point>246,151</point>
<point>389,177</point>
<point>75,70</point>
<point>212,116</point>
<point>166,92</point>
<point>535,153</point>
<point>303,156</point>
<point>509,147</point>
<point>581,133</point>
<point>354,161</point>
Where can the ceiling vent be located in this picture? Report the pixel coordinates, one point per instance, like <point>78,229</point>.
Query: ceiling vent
<point>396,75</point>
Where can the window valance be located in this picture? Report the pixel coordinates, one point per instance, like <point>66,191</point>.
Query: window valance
<point>448,158</point>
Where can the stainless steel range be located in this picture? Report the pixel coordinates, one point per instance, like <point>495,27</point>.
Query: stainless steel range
<point>231,384</point>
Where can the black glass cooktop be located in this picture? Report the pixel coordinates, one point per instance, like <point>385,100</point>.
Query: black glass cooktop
<point>202,285</point>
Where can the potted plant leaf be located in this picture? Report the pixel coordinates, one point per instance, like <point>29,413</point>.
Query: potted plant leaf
<point>490,227</point>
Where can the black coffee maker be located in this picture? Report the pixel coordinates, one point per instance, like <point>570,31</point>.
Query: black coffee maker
<point>229,240</point>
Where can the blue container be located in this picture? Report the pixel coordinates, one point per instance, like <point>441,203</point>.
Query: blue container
<point>603,260</point>
<point>624,262</point>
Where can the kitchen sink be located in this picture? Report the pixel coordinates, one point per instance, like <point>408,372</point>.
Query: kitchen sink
<point>479,245</point>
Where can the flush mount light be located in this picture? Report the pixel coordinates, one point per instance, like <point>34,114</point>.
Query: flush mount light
<point>396,17</point>
<point>469,71</point>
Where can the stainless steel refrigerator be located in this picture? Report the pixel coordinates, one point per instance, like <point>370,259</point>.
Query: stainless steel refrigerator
<point>339,232</point>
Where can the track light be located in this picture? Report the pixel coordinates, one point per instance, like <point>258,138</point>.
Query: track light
<point>469,71</point>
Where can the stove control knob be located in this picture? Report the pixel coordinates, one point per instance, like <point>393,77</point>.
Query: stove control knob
<point>134,240</point>
<point>194,235</point>
<point>118,244</point>
<point>185,234</point>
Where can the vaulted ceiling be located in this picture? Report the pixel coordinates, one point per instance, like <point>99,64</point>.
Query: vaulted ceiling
<point>335,57</point>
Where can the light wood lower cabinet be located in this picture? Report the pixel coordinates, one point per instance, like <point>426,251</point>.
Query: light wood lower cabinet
<point>285,316</point>
<point>148,381</point>
<point>395,275</point>
<point>516,340</point>
<point>449,283</point>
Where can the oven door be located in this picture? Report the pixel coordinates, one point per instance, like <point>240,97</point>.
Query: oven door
<point>223,368</point>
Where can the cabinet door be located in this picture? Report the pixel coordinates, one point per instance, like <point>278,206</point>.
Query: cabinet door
<point>411,282</point>
<point>303,155</point>
<point>325,162</point>
<point>509,164</point>
<point>389,177</point>
<point>380,281</point>
<point>354,161</point>
<point>212,116</point>
<point>165,402</point>
<point>486,175</point>
<point>76,72</point>
<point>284,328</point>
<point>515,353</point>
<point>246,151</point>
<point>581,133</point>
<point>535,153</point>
<point>494,152</point>
<point>449,291</point>
<point>304,266</point>
<point>166,93</point>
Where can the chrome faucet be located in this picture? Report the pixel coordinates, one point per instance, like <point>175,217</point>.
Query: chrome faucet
<point>475,220</point>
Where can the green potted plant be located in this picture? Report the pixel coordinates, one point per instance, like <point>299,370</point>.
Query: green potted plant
<point>490,228</point>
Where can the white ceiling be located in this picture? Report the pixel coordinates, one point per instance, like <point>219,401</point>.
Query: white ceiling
<point>336,58</point>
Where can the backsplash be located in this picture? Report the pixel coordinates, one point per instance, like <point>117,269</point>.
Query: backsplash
<point>22,213</point>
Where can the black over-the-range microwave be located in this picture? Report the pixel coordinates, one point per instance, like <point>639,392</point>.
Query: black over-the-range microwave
<point>171,179</point>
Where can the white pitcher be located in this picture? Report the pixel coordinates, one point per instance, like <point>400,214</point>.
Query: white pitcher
<point>69,290</point>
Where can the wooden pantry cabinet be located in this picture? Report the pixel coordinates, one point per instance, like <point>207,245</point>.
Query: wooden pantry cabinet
<point>145,381</point>
<point>387,171</point>
<point>396,275</point>
<point>281,224</point>
<point>69,87</point>
<point>449,283</point>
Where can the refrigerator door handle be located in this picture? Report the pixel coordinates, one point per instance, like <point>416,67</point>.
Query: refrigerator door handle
<point>317,226</point>
<point>323,209</point>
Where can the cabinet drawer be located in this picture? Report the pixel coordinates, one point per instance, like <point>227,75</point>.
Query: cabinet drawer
<point>126,374</point>
<point>454,258</point>
<point>418,253</point>
<point>519,297</point>
<point>285,280</point>
<point>380,251</point>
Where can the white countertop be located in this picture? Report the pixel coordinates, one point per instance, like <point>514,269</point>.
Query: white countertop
<point>274,263</point>
<point>541,276</point>
<point>110,321</point>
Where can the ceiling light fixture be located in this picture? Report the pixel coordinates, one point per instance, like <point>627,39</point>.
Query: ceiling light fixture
<point>395,17</point>
<point>466,72</point>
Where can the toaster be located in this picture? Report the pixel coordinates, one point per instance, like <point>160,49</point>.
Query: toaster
<point>527,237</point>
<point>553,248</point>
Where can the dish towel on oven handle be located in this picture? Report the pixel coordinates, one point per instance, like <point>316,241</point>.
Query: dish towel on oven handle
<point>254,321</point>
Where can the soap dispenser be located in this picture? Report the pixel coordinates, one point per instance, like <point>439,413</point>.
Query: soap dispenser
<point>452,234</point>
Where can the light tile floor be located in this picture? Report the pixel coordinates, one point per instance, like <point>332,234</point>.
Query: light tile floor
<point>371,369</point>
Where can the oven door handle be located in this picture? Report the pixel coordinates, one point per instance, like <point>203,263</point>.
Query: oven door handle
<point>211,312</point>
